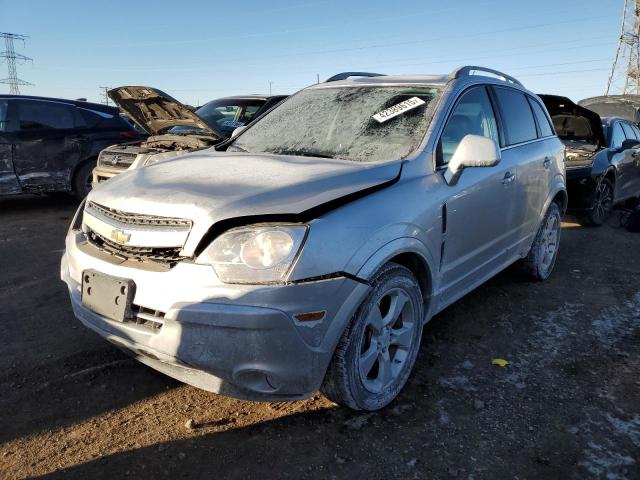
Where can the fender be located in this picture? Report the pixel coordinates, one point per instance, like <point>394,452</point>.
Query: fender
<point>397,247</point>
<point>558,186</point>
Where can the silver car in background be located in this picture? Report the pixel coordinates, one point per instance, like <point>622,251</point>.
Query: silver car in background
<point>310,253</point>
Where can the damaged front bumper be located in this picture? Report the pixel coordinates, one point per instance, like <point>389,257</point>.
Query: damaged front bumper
<point>238,340</point>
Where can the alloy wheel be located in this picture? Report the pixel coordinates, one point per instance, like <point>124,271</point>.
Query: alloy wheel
<point>604,200</point>
<point>387,340</point>
<point>549,242</point>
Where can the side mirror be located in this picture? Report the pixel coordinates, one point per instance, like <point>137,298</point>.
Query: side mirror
<point>237,131</point>
<point>473,151</point>
<point>629,143</point>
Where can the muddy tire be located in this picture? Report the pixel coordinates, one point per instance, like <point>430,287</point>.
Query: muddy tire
<point>602,204</point>
<point>378,349</point>
<point>539,262</point>
<point>82,180</point>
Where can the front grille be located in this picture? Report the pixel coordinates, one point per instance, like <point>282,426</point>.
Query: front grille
<point>115,159</point>
<point>137,219</point>
<point>165,255</point>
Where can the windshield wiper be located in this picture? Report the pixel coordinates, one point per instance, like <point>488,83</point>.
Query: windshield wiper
<point>303,153</point>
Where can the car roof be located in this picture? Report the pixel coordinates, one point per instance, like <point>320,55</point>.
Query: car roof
<point>465,75</point>
<point>388,80</point>
<point>609,120</point>
<point>78,103</point>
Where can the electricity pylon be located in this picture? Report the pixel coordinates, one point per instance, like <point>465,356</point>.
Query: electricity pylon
<point>625,72</point>
<point>11,56</point>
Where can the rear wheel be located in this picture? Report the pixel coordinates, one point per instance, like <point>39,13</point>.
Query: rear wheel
<point>83,179</point>
<point>541,259</point>
<point>602,203</point>
<point>378,349</point>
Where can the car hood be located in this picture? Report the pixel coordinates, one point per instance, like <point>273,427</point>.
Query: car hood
<point>208,188</point>
<point>155,111</point>
<point>563,106</point>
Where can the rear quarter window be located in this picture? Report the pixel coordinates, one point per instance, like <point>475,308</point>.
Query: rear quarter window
<point>517,116</point>
<point>543,120</point>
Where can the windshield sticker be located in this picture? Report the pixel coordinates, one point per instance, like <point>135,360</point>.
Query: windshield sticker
<point>231,123</point>
<point>398,109</point>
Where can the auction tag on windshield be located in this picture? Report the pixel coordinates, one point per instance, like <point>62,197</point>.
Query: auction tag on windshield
<point>398,109</point>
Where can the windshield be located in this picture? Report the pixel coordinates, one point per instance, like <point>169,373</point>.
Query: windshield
<point>226,114</point>
<point>361,124</point>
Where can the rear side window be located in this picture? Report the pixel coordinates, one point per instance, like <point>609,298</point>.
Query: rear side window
<point>472,115</point>
<point>542,118</point>
<point>517,117</point>
<point>636,131</point>
<point>4,121</point>
<point>35,115</point>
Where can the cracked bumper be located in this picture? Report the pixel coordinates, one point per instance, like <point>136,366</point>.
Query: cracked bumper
<point>237,340</point>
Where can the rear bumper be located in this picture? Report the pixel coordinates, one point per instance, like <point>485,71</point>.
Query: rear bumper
<point>240,341</point>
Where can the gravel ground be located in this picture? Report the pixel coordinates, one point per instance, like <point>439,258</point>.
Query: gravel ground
<point>566,406</point>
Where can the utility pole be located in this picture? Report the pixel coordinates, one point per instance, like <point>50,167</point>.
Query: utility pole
<point>317,78</point>
<point>625,71</point>
<point>11,56</point>
<point>270,83</point>
<point>105,95</point>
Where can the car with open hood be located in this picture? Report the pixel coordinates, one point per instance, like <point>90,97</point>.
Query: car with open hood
<point>311,251</point>
<point>175,128</point>
<point>602,158</point>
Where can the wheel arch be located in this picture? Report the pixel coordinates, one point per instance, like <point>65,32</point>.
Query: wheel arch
<point>410,253</point>
<point>78,166</point>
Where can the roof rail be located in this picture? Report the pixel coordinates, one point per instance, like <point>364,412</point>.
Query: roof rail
<point>467,69</point>
<point>345,75</point>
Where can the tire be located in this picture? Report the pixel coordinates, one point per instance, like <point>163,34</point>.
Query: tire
<point>82,180</point>
<point>602,204</point>
<point>385,354</point>
<point>539,262</point>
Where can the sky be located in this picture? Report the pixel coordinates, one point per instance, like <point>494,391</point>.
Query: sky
<point>200,50</point>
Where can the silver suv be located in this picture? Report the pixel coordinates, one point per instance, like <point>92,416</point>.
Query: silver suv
<point>311,252</point>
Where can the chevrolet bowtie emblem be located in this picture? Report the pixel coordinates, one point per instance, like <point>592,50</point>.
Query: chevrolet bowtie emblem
<point>120,236</point>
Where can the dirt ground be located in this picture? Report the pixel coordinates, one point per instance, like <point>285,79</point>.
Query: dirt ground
<point>567,405</point>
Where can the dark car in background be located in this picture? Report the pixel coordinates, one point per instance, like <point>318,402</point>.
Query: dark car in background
<point>602,158</point>
<point>51,144</point>
<point>175,128</point>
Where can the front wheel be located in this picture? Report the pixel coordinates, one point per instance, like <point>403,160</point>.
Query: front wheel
<point>539,262</point>
<point>602,203</point>
<point>378,349</point>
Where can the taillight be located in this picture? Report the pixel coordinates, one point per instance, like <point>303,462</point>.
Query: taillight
<point>130,134</point>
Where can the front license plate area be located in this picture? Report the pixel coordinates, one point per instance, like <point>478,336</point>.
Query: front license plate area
<point>111,297</point>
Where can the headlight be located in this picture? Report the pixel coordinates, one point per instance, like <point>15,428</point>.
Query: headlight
<point>76,223</point>
<point>256,254</point>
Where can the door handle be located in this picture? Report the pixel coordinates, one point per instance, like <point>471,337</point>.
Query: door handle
<point>508,178</point>
<point>547,162</point>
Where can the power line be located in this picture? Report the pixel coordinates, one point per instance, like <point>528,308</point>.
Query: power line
<point>11,56</point>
